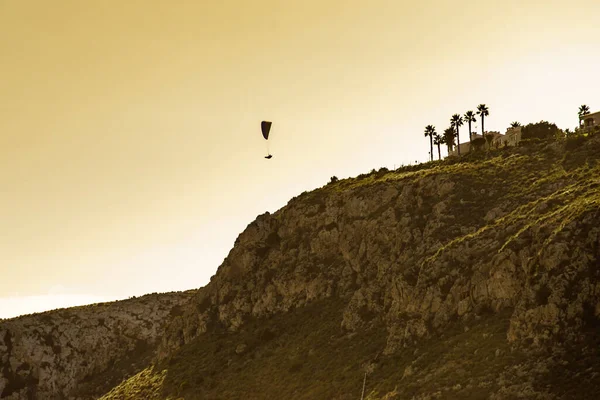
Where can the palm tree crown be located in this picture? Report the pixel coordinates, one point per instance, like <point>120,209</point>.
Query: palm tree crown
<point>515,124</point>
<point>448,137</point>
<point>429,130</point>
<point>483,112</point>
<point>583,110</point>
<point>457,121</point>
<point>469,117</point>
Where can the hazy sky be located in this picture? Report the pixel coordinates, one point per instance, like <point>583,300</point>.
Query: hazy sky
<point>130,146</point>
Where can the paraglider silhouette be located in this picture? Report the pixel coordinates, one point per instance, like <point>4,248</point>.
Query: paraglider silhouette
<point>265,126</point>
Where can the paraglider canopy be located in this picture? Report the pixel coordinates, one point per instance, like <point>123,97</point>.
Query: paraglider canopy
<point>265,126</point>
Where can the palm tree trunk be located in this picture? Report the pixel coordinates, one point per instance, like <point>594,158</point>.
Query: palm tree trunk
<point>431,146</point>
<point>439,153</point>
<point>457,141</point>
<point>482,126</point>
<point>470,137</point>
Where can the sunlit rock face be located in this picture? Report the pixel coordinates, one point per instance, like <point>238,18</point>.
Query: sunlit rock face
<point>409,253</point>
<point>420,249</point>
<point>56,354</point>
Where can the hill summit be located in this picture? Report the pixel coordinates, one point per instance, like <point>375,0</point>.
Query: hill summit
<point>470,278</point>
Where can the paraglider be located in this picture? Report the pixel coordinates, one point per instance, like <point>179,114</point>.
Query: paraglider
<point>265,126</point>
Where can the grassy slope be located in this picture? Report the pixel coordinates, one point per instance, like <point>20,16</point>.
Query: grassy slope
<point>305,355</point>
<point>302,355</point>
<point>467,362</point>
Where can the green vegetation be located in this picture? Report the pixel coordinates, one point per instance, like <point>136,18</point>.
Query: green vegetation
<point>547,183</point>
<point>526,163</point>
<point>478,144</point>
<point>542,130</point>
<point>451,363</point>
<point>146,385</point>
<point>134,361</point>
<point>449,136</point>
<point>566,171</point>
<point>302,354</point>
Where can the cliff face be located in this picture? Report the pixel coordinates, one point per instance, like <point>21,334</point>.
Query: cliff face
<point>473,278</point>
<point>516,233</point>
<point>81,352</point>
<point>420,249</point>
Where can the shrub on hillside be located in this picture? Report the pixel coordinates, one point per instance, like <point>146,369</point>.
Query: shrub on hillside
<point>382,171</point>
<point>529,142</point>
<point>543,130</point>
<point>489,139</point>
<point>478,144</point>
<point>574,141</point>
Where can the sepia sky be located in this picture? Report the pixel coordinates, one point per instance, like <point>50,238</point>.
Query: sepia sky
<point>130,146</point>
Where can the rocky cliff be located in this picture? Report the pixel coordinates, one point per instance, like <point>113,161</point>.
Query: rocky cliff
<point>471,278</point>
<point>500,248</point>
<point>81,352</point>
<point>418,249</point>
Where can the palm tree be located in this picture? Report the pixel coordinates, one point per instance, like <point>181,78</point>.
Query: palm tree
<point>457,121</point>
<point>468,118</point>
<point>483,112</point>
<point>438,140</point>
<point>430,131</point>
<point>583,110</point>
<point>448,137</point>
<point>515,124</point>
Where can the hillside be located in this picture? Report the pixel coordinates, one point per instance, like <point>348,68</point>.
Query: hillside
<point>81,352</point>
<point>471,278</point>
<point>462,279</point>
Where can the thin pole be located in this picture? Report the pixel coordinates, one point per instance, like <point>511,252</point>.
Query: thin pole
<point>362,396</point>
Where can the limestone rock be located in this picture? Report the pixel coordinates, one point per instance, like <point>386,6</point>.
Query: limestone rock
<point>50,355</point>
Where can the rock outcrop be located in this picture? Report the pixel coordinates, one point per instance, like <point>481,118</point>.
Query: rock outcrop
<point>80,352</point>
<point>469,278</point>
<point>518,231</point>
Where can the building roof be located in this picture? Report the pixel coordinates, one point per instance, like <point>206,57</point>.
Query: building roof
<point>590,115</point>
<point>495,133</point>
